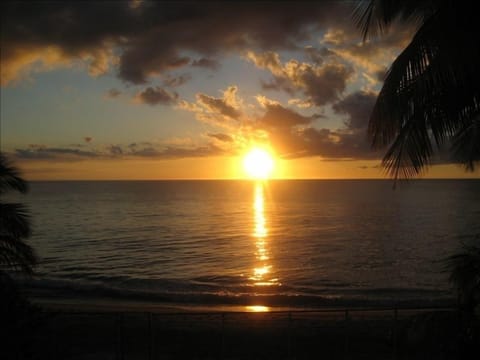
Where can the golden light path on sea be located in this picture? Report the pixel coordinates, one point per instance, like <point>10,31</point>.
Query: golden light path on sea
<point>262,271</point>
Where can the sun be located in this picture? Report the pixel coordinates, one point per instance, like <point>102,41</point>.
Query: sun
<point>258,163</point>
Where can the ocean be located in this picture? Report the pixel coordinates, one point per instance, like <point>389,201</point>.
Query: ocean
<point>295,243</point>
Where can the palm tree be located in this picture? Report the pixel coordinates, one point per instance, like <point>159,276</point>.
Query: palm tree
<point>14,223</point>
<point>20,318</point>
<point>431,93</point>
<point>464,268</point>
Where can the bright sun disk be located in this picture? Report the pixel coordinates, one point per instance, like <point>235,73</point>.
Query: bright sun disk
<point>258,163</point>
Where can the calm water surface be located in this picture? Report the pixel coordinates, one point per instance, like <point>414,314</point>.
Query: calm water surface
<point>279,242</point>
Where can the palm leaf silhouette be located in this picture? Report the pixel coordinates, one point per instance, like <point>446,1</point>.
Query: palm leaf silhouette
<point>431,93</point>
<point>14,223</point>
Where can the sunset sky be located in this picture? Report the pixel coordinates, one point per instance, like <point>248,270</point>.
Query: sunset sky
<point>153,90</point>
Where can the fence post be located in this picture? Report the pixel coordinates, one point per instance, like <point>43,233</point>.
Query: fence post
<point>347,334</point>
<point>222,336</point>
<point>289,342</point>
<point>56,351</point>
<point>395,332</point>
<point>120,350</point>
<point>150,336</point>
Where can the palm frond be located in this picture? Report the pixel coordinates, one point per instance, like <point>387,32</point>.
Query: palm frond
<point>430,92</point>
<point>10,177</point>
<point>15,254</point>
<point>15,220</point>
<point>466,143</point>
<point>374,17</point>
<point>464,270</point>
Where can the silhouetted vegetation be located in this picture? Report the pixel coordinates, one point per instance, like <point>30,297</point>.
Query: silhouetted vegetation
<point>14,223</point>
<point>19,319</point>
<point>431,93</point>
<point>431,98</point>
<point>464,268</point>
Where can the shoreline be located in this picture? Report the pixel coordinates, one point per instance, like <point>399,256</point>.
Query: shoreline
<point>98,304</point>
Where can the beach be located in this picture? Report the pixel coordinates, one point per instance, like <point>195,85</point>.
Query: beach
<point>106,329</point>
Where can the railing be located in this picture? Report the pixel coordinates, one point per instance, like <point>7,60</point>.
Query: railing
<point>327,333</point>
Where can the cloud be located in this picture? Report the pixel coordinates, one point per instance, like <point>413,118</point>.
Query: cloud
<point>115,150</point>
<point>278,116</point>
<point>381,74</point>
<point>294,135</point>
<point>156,96</point>
<point>221,137</point>
<point>321,82</point>
<point>39,152</point>
<point>266,102</point>
<point>217,105</point>
<point>298,137</point>
<point>220,111</point>
<point>291,133</point>
<point>317,56</point>
<point>162,151</point>
<point>373,55</point>
<point>358,107</point>
<point>152,38</point>
<point>303,104</point>
<point>88,139</point>
<point>211,64</point>
<point>113,93</point>
<point>46,153</point>
<point>201,151</point>
<point>175,81</point>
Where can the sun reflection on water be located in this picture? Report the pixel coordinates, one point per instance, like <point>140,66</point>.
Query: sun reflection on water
<point>262,272</point>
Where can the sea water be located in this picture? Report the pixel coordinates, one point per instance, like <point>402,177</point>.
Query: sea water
<point>277,242</point>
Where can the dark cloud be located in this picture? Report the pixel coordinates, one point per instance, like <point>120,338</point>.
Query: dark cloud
<point>113,93</point>
<point>173,152</point>
<point>148,151</point>
<point>153,37</point>
<point>202,151</point>
<point>216,110</point>
<point>358,107</point>
<point>46,153</point>
<point>206,63</point>
<point>156,96</point>
<point>175,81</point>
<point>115,150</point>
<point>221,137</point>
<point>218,105</point>
<point>278,84</point>
<point>317,56</point>
<point>398,37</point>
<point>321,82</point>
<point>118,151</point>
<point>326,85</point>
<point>88,139</point>
<point>381,74</point>
<point>278,116</point>
<point>293,136</point>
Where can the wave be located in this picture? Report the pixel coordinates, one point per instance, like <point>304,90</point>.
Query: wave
<point>179,292</point>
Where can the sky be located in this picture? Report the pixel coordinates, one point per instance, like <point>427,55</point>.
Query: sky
<point>182,90</point>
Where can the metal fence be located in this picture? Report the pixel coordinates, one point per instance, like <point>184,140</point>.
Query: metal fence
<point>311,334</point>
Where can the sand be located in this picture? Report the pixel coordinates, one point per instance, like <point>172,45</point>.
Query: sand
<point>106,329</point>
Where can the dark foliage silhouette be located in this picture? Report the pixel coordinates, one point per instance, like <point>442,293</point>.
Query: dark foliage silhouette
<point>431,93</point>
<point>14,223</point>
<point>19,319</point>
